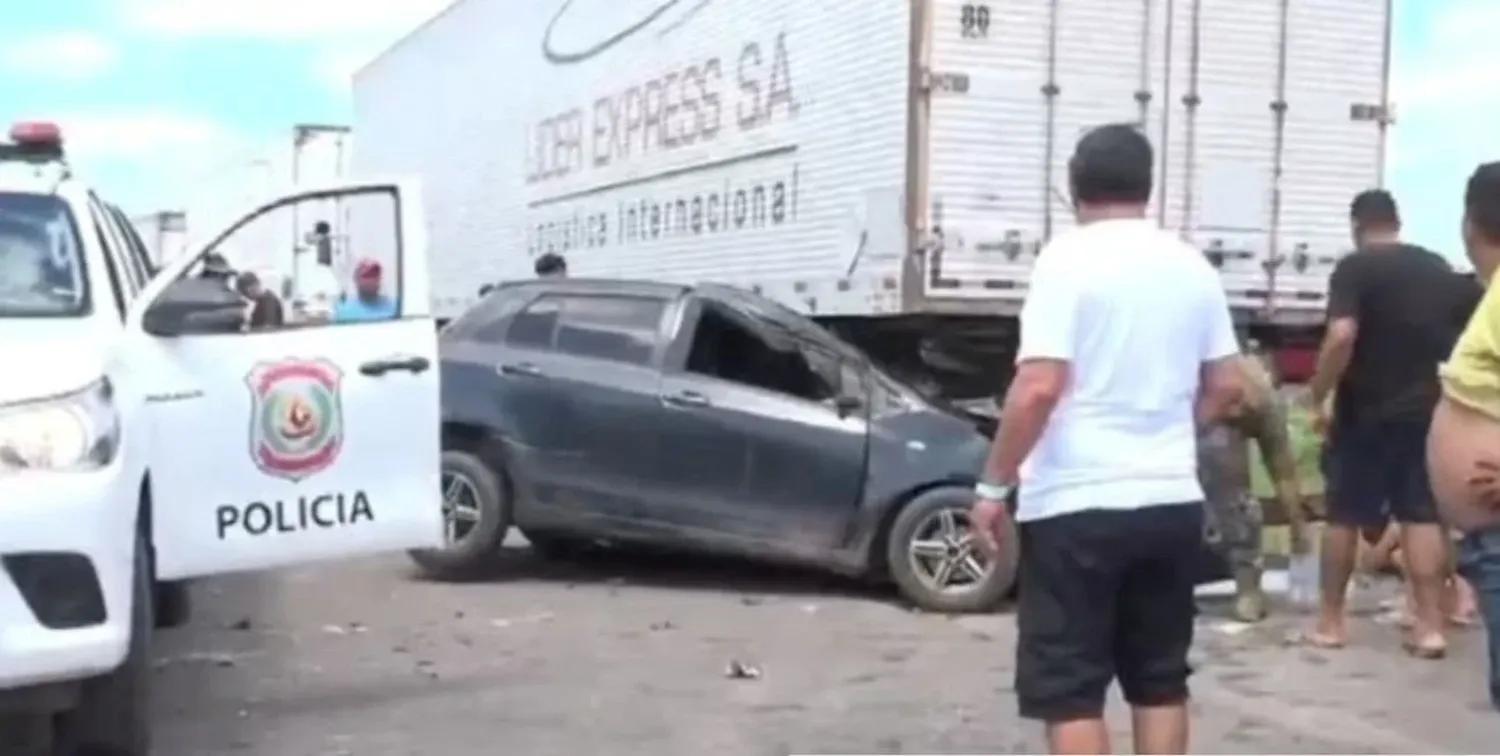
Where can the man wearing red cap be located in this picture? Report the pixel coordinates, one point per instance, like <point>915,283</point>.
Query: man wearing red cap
<point>368,303</point>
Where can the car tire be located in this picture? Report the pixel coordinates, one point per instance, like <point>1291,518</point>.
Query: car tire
<point>113,713</point>
<point>986,595</point>
<point>478,550</point>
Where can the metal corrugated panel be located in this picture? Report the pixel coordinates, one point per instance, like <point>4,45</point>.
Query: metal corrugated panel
<point>164,233</point>
<point>472,105</point>
<point>1202,77</point>
<point>1338,63</point>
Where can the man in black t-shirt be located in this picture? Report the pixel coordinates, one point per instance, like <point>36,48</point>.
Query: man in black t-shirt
<point>551,265</point>
<point>266,312</point>
<point>323,243</point>
<point>1392,317</point>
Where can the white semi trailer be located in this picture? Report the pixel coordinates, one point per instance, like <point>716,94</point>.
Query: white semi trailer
<point>891,167</point>
<point>165,235</point>
<point>281,247</point>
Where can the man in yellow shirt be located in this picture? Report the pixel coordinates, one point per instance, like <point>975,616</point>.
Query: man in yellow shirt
<point>1463,447</point>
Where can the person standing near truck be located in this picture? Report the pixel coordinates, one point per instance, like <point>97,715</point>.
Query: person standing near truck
<point>551,265</point>
<point>1234,519</point>
<point>1390,323</point>
<point>370,302</point>
<point>1126,348</point>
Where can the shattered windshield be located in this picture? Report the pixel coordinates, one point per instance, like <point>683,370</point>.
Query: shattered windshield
<point>41,264</point>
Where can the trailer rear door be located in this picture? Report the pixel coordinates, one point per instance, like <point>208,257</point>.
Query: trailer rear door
<point>1262,187</point>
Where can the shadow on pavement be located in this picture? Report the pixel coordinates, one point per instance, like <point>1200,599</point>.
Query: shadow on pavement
<point>676,571</point>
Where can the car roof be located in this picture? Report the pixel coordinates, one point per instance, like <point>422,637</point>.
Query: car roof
<point>599,286</point>
<point>641,287</point>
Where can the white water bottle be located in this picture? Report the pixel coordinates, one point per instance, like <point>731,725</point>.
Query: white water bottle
<point>1302,579</point>
<point>1302,576</point>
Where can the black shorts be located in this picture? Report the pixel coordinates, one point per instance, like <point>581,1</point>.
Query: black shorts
<point>1378,472</point>
<point>1106,594</point>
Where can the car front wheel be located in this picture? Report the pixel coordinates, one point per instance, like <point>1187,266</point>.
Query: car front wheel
<point>936,563</point>
<point>113,713</point>
<point>476,517</point>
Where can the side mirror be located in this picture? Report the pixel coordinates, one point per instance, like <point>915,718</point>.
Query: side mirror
<point>194,306</point>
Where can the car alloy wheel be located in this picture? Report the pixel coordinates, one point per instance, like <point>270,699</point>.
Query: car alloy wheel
<point>461,508</point>
<point>944,554</point>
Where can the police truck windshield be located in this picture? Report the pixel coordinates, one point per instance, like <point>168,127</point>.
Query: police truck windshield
<point>41,262</point>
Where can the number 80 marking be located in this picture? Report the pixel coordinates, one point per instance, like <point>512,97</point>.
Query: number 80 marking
<point>974,20</point>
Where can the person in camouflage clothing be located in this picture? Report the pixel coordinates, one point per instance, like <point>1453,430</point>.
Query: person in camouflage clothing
<point>1233,517</point>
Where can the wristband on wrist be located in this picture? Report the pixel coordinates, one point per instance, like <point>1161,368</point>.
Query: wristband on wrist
<point>992,491</point>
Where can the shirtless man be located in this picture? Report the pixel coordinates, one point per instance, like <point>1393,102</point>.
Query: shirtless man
<point>1234,518</point>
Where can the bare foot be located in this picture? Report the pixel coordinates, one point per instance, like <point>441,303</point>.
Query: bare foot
<point>1330,633</point>
<point>1464,610</point>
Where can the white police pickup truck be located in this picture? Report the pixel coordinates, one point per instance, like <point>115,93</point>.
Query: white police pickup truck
<point>149,434</point>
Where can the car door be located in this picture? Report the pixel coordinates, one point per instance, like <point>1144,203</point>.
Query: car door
<point>756,461</point>
<point>311,441</point>
<point>581,369</point>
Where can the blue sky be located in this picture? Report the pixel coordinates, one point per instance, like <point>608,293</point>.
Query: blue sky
<point>151,94</point>
<point>156,92</point>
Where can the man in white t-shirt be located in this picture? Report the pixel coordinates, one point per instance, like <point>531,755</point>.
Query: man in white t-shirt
<point>1126,346</point>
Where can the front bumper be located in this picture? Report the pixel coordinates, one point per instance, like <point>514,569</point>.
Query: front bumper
<point>66,542</point>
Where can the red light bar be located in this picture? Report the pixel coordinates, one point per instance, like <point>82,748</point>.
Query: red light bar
<point>36,134</point>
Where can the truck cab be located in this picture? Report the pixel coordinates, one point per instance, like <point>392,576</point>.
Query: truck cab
<point>150,435</point>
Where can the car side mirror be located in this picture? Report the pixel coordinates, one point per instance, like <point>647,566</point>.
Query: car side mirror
<point>195,306</point>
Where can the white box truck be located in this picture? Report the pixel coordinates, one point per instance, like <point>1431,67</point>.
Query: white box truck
<point>164,233</point>
<point>283,249</point>
<point>891,167</point>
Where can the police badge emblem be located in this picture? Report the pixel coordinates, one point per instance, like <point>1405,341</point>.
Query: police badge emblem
<point>296,419</point>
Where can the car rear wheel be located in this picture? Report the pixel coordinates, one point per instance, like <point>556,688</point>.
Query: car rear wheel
<point>935,562</point>
<point>476,517</point>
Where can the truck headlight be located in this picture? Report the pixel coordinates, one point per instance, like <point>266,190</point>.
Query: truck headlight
<point>80,430</point>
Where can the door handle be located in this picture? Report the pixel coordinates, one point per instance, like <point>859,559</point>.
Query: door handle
<point>520,368</point>
<point>377,368</point>
<point>687,399</point>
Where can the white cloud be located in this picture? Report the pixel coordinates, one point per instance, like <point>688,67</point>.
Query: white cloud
<point>1447,92</point>
<point>308,20</point>
<point>1447,89</point>
<point>145,160</point>
<point>337,68</point>
<point>142,135</point>
<point>71,55</point>
<point>340,35</point>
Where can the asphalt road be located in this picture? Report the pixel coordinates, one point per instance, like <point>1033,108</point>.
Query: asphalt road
<point>629,655</point>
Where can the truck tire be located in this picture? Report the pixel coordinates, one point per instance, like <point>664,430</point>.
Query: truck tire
<point>113,714</point>
<point>478,548</point>
<point>915,522</point>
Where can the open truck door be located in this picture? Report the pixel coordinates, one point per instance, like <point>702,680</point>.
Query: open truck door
<point>315,439</point>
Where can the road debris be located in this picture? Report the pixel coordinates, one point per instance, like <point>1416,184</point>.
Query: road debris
<point>529,619</point>
<point>738,670</point>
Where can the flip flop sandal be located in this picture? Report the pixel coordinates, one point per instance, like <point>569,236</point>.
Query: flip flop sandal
<point>1424,651</point>
<point>1463,620</point>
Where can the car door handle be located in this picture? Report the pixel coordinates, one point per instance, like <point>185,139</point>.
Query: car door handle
<point>686,399</point>
<point>520,368</point>
<point>377,368</point>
